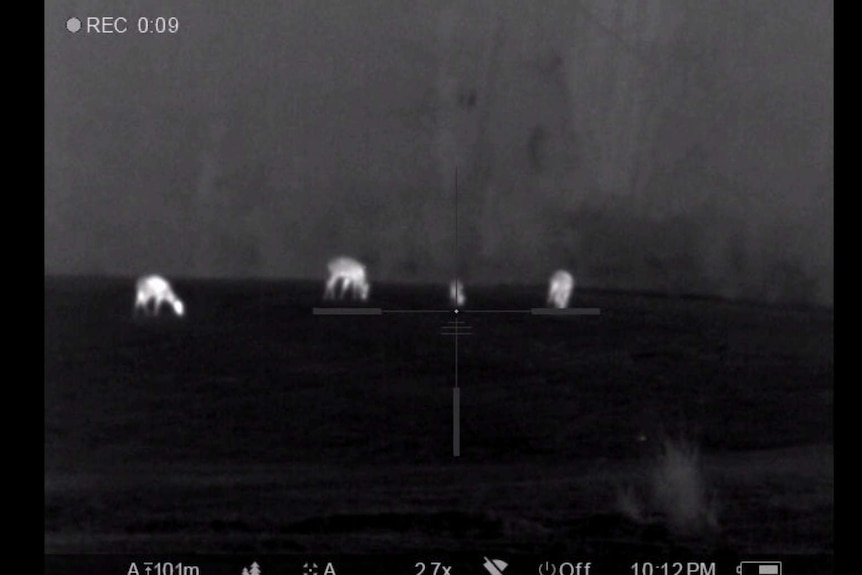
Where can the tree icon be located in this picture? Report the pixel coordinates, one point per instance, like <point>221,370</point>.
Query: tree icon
<point>255,569</point>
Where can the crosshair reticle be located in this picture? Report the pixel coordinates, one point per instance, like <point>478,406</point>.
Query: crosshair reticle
<point>456,326</point>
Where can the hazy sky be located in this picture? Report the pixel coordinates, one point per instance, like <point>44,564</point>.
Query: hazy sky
<point>639,143</point>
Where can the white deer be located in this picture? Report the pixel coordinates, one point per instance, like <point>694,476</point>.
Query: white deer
<point>352,276</point>
<point>456,293</point>
<point>152,292</point>
<point>560,290</point>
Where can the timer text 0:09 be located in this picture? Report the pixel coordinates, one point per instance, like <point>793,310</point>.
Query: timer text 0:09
<point>143,25</point>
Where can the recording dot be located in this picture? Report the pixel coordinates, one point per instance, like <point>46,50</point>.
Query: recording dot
<point>73,25</point>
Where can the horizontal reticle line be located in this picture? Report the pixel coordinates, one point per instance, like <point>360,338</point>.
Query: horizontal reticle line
<point>348,311</point>
<point>380,311</point>
<point>495,311</point>
<point>417,311</point>
<point>566,311</point>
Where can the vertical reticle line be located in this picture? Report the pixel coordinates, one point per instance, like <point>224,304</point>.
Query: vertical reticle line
<point>457,258</point>
<point>456,391</point>
<point>457,275</point>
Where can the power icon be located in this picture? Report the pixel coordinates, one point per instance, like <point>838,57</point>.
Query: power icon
<point>547,568</point>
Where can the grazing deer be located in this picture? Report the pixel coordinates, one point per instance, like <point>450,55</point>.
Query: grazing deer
<point>152,292</point>
<point>560,289</point>
<point>456,293</point>
<point>352,276</point>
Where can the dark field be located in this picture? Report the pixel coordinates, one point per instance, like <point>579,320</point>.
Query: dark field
<point>253,425</point>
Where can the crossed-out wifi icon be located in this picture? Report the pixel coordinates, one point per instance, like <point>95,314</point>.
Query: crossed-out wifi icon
<point>495,566</point>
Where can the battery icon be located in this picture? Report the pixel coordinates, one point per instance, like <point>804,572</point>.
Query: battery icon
<point>759,568</point>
